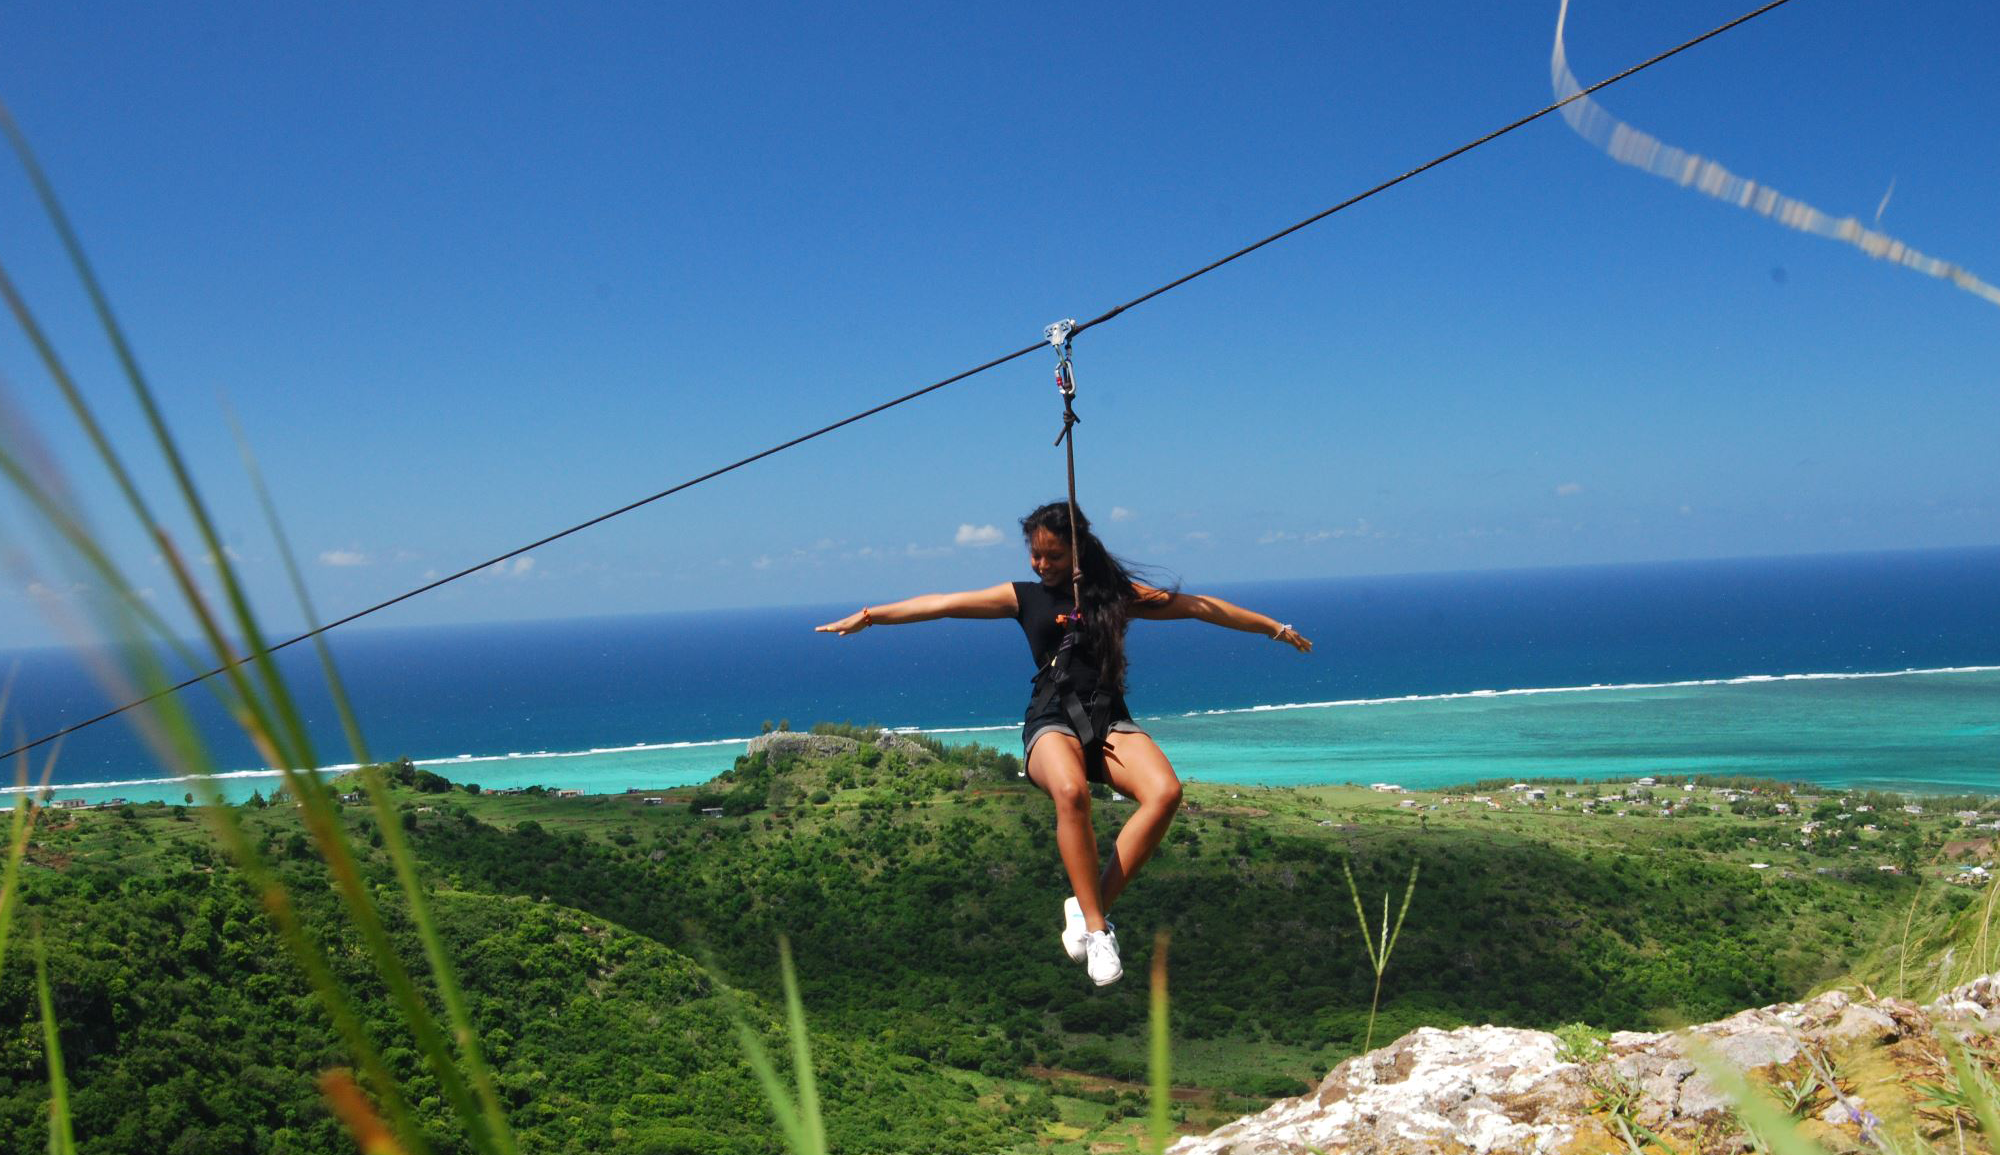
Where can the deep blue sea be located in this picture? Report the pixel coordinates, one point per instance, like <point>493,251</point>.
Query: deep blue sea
<point>1740,666</point>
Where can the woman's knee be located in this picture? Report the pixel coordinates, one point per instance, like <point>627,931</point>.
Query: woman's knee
<point>1059,772</point>
<point>1070,792</point>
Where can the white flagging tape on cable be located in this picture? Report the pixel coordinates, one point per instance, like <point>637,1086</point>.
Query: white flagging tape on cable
<point>1627,145</point>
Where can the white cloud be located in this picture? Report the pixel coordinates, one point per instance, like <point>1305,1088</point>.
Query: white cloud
<point>1361,528</point>
<point>228,551</point>
<point>763,562</point>
<point>1568,489</point>
<point>518,567</point>
<point>1687,510</point>
<point>343,557</point>
<point>977,535</point>
<point>1120,513</point>
<point>923,551</point>
<point>1199,535</point>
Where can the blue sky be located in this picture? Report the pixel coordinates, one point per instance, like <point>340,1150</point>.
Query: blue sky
<point>470,273</point>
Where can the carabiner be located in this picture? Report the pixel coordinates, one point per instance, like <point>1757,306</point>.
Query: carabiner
<point>1058,335</point>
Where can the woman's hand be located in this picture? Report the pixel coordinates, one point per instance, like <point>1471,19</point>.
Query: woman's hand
<point>1294,639</point>
<point>853,623</point>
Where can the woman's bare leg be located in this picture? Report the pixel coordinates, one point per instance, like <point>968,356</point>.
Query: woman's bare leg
<point>1141,772</point>
<point>1056,765</point>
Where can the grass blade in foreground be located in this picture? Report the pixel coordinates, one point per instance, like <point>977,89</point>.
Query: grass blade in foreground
<point>1977,1087</point>
<point>1773,1128</point>
<point>387,822</point>
<point>23,825</point>
<point>1159,1057</point>
<point>799,1119</point>
<point>61,1141</point>
<point>1378,949</point>
<point>260,701</point>
<point>345,1099</point>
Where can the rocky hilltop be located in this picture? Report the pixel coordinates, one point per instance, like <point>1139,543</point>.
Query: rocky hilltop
<point>1847,1066</point>
<point>780,743</point>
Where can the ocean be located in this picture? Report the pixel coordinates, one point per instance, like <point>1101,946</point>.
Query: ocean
<point>1862,670</point>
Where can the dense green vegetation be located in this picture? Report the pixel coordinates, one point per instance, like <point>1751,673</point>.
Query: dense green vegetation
<point>920,889</point>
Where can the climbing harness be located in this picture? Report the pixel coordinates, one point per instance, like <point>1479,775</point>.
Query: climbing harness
<point>1053,683</point>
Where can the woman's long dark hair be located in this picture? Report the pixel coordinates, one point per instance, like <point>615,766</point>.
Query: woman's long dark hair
<point>1108,589</point>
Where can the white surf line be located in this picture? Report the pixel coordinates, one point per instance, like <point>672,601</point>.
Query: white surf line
<point>1744,680</point>
<point>58,787</point>
<point>344,767</point>
<point>532,755</point>
<point>1641,150</point>
<point>471,759</point>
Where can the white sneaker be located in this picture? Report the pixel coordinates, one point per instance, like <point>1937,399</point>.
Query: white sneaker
<point>1101,947</point>
<point>1073,929</point>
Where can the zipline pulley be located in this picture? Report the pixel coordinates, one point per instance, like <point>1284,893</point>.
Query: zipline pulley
<point>1058,335</point>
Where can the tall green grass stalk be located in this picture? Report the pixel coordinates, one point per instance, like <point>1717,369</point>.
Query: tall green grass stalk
<point>357,1114</point>
<point>1770,1125</point>
<point>1159,1064</point>
<point>1378,948</point>
<point>1777,1131</point>
<point>796,1109</point>
<point>261,703</point>
<point>396,846</point>
<point>61,1140</point>
<point>1983,958</point>
<point>20,829</point>
<point>1977,1087</point>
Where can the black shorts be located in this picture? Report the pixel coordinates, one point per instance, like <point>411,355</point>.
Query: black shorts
<point>1051,719</point>
<point>1093,760</point>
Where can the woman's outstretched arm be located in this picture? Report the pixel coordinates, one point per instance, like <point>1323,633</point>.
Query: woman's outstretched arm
<point>1160,606</point>
<point>995,602</point>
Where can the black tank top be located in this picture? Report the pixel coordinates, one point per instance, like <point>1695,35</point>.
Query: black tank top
<point>1037,608</point>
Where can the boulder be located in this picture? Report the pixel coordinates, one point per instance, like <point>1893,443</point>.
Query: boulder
<point>1502,1091</point>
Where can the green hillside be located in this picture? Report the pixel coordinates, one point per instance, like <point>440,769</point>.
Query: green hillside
<point>920,889</point>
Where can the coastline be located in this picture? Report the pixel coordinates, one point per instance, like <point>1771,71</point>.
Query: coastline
<point>1840,730</point>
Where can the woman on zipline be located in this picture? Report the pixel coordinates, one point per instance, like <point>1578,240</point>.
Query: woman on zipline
<point>1078,730</point>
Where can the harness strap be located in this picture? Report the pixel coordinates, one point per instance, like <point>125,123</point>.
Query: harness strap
<point>1090,719</point>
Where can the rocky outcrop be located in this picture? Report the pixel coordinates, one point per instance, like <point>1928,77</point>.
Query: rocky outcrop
<point>1504,1091</point>
<point>779,742</point>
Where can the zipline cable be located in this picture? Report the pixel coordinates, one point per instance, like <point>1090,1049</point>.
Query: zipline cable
<point>513,553</point>
<point>912,396</point>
